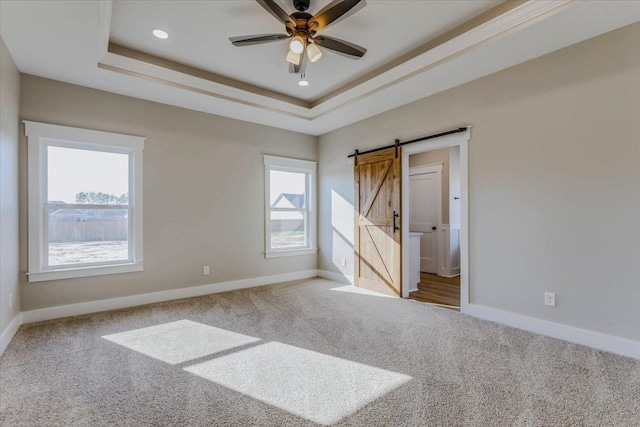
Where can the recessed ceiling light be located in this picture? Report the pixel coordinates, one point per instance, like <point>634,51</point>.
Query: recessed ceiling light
<point>303,83</point>
<point>160,34</point>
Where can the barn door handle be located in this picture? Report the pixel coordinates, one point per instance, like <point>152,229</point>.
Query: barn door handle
<point>395,227</point>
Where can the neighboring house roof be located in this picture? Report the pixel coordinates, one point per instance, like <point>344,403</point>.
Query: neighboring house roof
<point>289,200</point>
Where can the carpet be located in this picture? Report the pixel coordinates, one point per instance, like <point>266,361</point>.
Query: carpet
<point>306,353</point>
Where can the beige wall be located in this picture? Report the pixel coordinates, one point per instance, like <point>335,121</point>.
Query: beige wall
<point>9,106</point>
<point>554,175</point>
<point>203,191</point>
<point>434,157</point>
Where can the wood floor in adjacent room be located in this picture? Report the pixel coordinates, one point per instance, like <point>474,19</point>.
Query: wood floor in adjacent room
<point>437,290</point>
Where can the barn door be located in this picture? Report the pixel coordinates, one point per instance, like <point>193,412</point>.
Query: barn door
<point>378,227</point>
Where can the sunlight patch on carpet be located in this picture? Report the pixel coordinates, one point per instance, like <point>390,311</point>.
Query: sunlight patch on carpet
<point>180,341</point>
<point>318,387</point>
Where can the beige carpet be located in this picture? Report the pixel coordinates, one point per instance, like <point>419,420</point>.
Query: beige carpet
<point>313,352</point>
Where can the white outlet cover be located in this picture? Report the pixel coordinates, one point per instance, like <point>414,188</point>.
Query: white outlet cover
<point>205,270</point>
<point>550,299</point>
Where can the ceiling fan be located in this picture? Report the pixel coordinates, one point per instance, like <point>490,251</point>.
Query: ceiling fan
<point>302,29</point>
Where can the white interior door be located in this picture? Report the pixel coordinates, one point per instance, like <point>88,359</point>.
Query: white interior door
<point>425,198</point>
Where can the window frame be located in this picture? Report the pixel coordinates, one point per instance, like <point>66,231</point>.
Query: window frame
<point>41,136</point>
<point>309,168</point>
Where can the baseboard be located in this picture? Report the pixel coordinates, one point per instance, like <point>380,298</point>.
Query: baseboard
<point>622,346</point>
<point>58,312</point>
<point>600,341</point>
<point>336,277</point>
<point>7,335</point>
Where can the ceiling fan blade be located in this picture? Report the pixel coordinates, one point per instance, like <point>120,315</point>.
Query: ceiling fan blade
<point>273,8</point>
<point>301,67</point>
<point>334,11</point>
<point>347,49</point>
<point>257,39</point>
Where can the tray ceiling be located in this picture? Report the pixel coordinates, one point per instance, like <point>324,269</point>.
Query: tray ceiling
<point>199,32</point>
<point>416,49</point>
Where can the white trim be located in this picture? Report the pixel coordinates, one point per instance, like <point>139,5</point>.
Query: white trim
<point>600,341</point>
<point>42,135</point>
<point>444,252</point>
<point>597,340</point>
<point>309,168</point>
<point>106,8</point>
<point>9,332</point>
<point>88,136</point>
<point>291,252</point>
<point>50,313</point>
<point>336,277</point>
<point>287,162</point>
<point>462,139</point>
<point>71,273</point>
<point>424,169</point>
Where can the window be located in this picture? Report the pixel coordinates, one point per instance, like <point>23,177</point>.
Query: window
<point>290,215</point>
<point>85,202</point>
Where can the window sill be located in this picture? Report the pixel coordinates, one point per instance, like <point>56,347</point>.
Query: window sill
<point>71,273</point>
<point>294,252</point>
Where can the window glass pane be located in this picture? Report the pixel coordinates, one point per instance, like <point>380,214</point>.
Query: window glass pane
<point>87,176</point>
<point>287,189</point>
<point>288,230</point>
<point>82,236</point>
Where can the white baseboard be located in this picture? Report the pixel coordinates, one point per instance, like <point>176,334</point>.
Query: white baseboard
<point>58,312</point>
<point>336,277</point>
<point>7,335</point>
<point>600,341</point>
<point>596,340</point>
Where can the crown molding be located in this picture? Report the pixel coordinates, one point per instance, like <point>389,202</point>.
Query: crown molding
<point>486,28</point>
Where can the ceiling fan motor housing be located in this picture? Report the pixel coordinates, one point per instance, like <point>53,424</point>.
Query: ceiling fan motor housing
<point>301,25</point>
<point>301,5</point>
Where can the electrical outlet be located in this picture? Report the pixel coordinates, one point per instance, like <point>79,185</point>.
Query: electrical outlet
<point>344,262</point>
<point>10,300</point>
<point>205,270</point>
<point>550,299</point>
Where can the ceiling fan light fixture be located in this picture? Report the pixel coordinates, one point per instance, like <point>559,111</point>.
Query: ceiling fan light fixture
<point>301,32</point>
<point>313,52</point>
<point>296,45</point>
<point>294,58</point>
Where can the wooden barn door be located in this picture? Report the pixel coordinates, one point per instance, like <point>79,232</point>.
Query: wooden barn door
<point>378,227</point>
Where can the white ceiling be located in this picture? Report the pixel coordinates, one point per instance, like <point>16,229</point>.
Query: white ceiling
<point>65,40</point>
<point>199,32</point>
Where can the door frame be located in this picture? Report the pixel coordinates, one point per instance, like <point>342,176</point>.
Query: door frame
<point>459,139</point>
<point>425,169</point>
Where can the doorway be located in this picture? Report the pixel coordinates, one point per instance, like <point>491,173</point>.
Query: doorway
<point>442,277</point>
